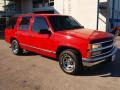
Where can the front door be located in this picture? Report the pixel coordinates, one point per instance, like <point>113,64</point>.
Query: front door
<point>41,42</point>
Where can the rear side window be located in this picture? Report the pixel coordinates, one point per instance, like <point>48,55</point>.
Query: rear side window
<point>24,25</point>
<point>11,22</point>
<point>39,24</point>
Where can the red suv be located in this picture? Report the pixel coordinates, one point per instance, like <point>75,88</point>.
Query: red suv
<point>61,37</point>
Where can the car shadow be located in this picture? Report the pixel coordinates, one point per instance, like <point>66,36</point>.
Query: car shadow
<point>104,69</point>
<point>28,53</point>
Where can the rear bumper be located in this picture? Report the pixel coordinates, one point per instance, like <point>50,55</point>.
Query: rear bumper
<point>100,58</point>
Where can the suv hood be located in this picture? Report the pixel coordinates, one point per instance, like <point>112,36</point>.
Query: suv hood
<point>85,34</point>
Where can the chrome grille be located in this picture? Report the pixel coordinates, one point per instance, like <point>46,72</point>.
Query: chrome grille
<point>107,43</point>
<point>104,53</point>
<point>107,46</point>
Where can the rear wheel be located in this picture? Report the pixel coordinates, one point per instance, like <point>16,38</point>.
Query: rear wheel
<point>70,61</point>
<point>16,47</point>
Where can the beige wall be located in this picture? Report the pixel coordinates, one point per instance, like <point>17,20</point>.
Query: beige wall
<point>1,5</point>
<point>103,17</point>
<point>85,11</point>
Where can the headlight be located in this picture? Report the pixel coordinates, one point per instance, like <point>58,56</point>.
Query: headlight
<point>92,47</point>
<point>95,46</point>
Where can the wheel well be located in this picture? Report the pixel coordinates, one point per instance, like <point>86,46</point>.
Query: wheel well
<point>12,39</point>
<point>62,48</point>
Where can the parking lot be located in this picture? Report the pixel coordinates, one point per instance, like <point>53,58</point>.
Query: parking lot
<point>35,72</point>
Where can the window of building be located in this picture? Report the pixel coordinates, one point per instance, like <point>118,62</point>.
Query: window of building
<point>25,23</point>
<point>39,24</point>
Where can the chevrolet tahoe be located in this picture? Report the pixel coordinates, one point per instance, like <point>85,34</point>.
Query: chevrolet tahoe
<point>60,37</point>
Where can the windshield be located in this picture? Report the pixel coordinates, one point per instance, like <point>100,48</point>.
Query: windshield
<point>60,23</point>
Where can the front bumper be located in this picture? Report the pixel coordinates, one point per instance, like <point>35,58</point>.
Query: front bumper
<point>100,58</point>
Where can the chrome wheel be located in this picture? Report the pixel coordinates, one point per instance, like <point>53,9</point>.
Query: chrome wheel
<point>16,48</point>
<point>68,63</point>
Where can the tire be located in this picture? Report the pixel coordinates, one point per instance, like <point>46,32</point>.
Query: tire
<point>16,47</point>
<point>70,62</point>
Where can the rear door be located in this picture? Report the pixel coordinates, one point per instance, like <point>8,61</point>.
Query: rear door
<point>23,31</point>
<point>10,28</point>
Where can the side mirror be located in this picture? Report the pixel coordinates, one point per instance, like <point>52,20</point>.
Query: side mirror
<point>45,31</point>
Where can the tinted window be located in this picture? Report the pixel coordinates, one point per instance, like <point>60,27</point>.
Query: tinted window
<point>25,23</point>
<point>63,23</point>
<point>11,22</point>
<point>39,24</point>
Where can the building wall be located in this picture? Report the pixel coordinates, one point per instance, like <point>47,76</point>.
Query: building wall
<point>2,10</point>
<point>1,5</point>
<point>85,11</point>
<point>114,14</point>
<point>103,14</point>
<point>26,6</point>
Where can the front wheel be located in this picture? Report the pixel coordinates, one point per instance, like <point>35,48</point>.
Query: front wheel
<point>70,61</point>
<point>16,48</point>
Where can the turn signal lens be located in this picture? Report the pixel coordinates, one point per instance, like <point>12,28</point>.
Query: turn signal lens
<point>88,54</point>
<point>94,46</point>
<point>89,47</point>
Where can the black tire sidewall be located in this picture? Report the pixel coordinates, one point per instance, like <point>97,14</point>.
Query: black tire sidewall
<point>19,49</point>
